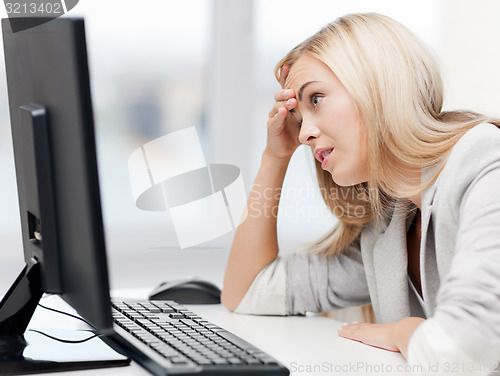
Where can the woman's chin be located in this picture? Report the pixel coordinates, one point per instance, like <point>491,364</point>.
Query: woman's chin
<point>345,181</point>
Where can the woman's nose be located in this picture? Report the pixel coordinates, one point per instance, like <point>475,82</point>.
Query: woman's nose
<point>308,132</point>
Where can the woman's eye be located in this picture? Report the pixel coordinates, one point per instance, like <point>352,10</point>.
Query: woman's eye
<point>315,99</point>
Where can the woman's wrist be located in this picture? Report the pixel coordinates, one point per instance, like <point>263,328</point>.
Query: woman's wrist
<point>402,332</point>
<point>283,161</point>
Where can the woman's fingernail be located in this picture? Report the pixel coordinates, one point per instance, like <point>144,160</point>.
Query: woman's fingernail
<point>288,102</point>
<point>287,92</point>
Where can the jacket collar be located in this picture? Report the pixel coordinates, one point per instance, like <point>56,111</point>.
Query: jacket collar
<point>428,265</point>
<point>390,260</point>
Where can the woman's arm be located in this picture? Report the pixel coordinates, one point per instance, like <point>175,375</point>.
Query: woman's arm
<point>255,243</point>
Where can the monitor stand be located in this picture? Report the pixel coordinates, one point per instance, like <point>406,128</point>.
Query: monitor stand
<point>30,351</point>
<point>35,351</point>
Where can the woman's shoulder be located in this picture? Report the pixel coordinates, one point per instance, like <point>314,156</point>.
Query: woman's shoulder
<point>478,148</point>
<point>482,138</point>
<point>477,152</point>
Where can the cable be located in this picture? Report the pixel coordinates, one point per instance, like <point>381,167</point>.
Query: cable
<point>70,315</point>
<point>64,340</point>
<point>67,314</point>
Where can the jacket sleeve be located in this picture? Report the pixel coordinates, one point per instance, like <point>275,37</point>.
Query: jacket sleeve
<point>433,351</point>
<point>302,281</point>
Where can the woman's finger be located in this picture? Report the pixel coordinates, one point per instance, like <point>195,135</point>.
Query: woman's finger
<point>275,108</point>
<point>288,104</point>
<point>283,95</point>
<point>277,121</point>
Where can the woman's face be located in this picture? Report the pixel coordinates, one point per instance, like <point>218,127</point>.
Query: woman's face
<point>329,121</point>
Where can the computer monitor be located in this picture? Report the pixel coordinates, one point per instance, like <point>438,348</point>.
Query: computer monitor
<point>62,229</point>
<point>57,178</point>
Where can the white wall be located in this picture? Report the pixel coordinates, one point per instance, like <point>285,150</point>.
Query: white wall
<point>470,55</point>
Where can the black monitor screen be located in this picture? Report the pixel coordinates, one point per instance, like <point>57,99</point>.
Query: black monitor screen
<point>62,229</point>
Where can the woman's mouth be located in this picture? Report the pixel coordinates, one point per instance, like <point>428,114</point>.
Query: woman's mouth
<point>323,155</point>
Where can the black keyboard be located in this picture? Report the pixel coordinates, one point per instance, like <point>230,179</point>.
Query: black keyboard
<point>181,342</point>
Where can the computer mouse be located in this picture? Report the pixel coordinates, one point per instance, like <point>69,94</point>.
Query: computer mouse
<point>187,291</point>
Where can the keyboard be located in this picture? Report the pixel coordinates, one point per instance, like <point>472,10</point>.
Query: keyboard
<point>178,341</point>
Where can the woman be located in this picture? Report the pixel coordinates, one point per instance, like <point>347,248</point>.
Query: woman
<point>414,188</point>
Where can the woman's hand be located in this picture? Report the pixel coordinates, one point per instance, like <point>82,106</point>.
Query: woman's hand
<point>282,127</point>
<point>377,335</point>
<point>392,336</point>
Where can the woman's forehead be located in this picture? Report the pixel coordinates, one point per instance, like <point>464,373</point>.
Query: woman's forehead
<point>298,69</point>
<point>306,68</point>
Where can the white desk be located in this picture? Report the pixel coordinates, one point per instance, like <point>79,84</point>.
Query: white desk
<point>306,345</point>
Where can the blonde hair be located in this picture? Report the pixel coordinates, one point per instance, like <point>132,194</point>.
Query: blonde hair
<point>398,93</point>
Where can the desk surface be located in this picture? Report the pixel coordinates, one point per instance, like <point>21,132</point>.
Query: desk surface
<point>306,345</point>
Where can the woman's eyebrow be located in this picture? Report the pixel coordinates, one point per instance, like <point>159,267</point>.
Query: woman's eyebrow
<point>301,90</point>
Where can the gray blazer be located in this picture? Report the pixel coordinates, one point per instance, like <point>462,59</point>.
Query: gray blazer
<point>459,253</point>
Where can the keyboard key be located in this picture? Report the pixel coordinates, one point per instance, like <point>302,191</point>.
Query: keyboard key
<point>167,310</point>
<point>179,360</point>
<point>203,361</point>
<point>236,340</point>
<point>189,322</point>
<point>252,361</point>
<point>196,317</point>
<point>269,361</point>
<point>166,321</point>
<point>176,316</point>
<point>220,361</point>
